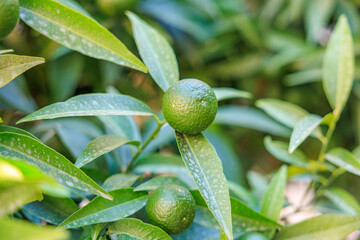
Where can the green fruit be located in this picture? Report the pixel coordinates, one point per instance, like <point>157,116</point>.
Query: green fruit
<point>9,16</point>
<point>172,208</point>
<point>190,106</point>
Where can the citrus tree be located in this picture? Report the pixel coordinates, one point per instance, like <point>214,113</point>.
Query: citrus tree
<point>134,191</point>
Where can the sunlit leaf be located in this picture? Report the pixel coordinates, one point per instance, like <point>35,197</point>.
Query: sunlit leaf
<point>303,130</point>
<point>338,66</point>
<point>49,161</point>
<point>136,228</point>
<point>99,210</point>
<point>229,93</point>
<point>92,105</point>
<point>156,52</point>
<point>101,146</point>
<point>343,200</point>
<point>330,227</point>
<point>205,168</point>
<point>344,159</point>
<point>12,66</point>
<point>56,21</point>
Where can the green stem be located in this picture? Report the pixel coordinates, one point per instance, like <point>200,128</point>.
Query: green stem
<point>148,140</point>
<point>327,138</point>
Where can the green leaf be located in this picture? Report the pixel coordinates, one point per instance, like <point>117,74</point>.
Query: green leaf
<point>338,65</point>
<point>16,130</point>
<point>52,210</point>
<point>101,146</point>
<point>91,105</point>
<point>343,200</point>
<point>242,193</point>
<point>284,112</point>
<point>156,52</point>
<point>120,180</point>
<point>273,199</point>
<point>250,118</point>
<point>244,218</point>
<point>224,93</point>
<point>280,150</point>
<point>303,130</point>
<point>12,66</point>
<point>344,159</point>
<point>19,229</point>
<point>330,227</point>
<point>6,51</point>
<point>156,182</point>
<point>136,228</point>
<point>48,161</point>
<point>56,21</point>
<point>125,203</point>
<point>1,121</point>
<point>14,195</point>
<point>205,168</point>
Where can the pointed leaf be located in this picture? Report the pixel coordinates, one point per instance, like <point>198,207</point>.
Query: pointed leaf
<point>56,21</point>
<point>344,159</point>
<point>19,229</point>
<point>284,112</point>
<point>343,200</point>
<point>12,66</point>
<point>156,52</point>
<point>224,93</point>
<point>125,203</point>
<point>338,65</point>
<point>6,51</point>
<point>205,168</point>
<point>156,182</point>
<point>16,130</point>
<point>330,227</point>
<point>101,146</point>
<point>91,105</point>
<point>250,118</point>
<point>136,228</point>
<point>303,130</point>
<point>120,180</point>
<point>48,161</point>
<point>280,150</point>
<point>273,199</point>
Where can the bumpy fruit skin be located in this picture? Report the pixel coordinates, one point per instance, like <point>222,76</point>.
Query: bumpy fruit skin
<point>190,106</point>
<point>9,16</point>
<point>172,208</point>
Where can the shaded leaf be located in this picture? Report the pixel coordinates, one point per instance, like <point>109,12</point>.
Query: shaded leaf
<point>99,210</point>
<point>156,182</point>
<point>330,227</point>
<point>280,150</point>
<point>303,130</point>
<point>205,168</point>
<point>250,118</point>
<point>344,159</point>
<point>156,52</point>
<point>56,21</point>
<point>224,93</point>
<point>136,228</point>
<point>91,105</point>
<point>273,199</point>
<point>338,65</point>
<point>12,66</point>
<point>48,161</point>
<point>101,146</point>
<point>242,193</point>
<point>119,180</point>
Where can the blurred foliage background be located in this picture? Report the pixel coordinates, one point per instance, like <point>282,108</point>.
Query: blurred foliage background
<point>270,48</point>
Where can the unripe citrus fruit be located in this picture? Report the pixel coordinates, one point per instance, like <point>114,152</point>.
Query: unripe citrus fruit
<point>190,106</point>
<point>9,15</point>
<point>172,208</point>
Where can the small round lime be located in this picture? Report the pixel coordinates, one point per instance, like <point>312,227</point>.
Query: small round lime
<point>9,16</point>
<point>172,208</point>
<point>190,106</point>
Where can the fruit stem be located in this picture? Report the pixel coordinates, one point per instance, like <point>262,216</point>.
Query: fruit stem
<point>148,140</point>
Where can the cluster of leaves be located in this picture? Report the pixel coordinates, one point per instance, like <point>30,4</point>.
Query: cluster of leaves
<point>120,164</point>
